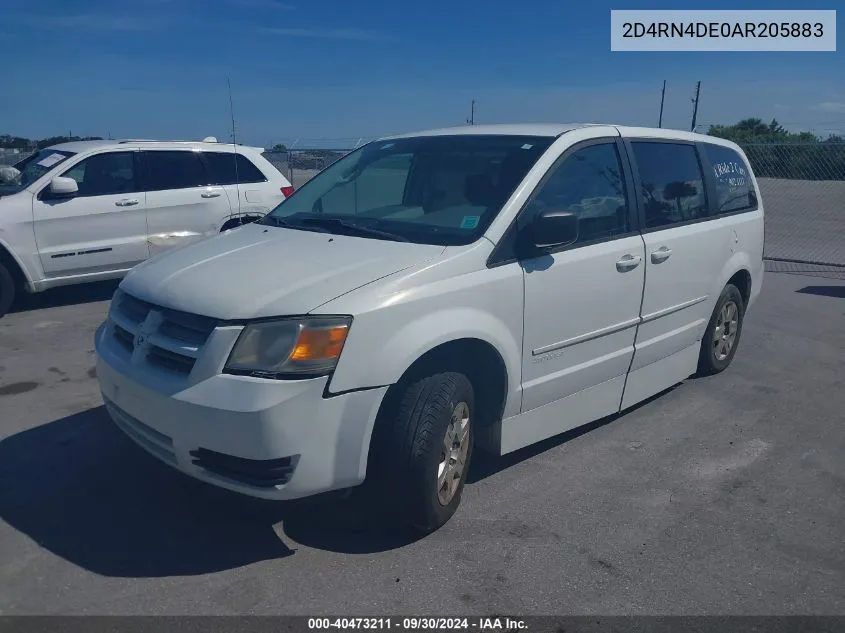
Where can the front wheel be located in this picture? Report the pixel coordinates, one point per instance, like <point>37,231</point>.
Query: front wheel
<point>427,446</point>
<point>722,335</point>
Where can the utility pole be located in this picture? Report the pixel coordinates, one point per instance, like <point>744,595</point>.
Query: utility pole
<point>662,97</point>
<point>471,119</point>
<point>695,105</point>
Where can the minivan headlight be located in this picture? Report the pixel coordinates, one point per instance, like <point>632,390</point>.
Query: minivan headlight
<point>289,348</point>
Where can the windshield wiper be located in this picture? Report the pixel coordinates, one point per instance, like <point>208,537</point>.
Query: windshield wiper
<point>354,229</point>
<point>269,220</point>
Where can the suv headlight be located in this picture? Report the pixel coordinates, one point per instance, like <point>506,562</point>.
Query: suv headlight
<point>289,348</point>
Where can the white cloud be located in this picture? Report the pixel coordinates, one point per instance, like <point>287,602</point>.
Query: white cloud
<point>328,34</point>
<point>833,107</point>
<point>89,21</point>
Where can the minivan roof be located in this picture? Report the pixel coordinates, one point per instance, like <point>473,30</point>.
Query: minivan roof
<point>516,129</point>
<point>556,129</point>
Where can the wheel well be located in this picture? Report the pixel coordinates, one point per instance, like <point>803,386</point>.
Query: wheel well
<point>240,220</point>
<point>742,281</point>
<point>482,364</point>
<point>13,267</point>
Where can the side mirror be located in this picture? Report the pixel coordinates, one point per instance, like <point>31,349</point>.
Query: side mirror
<point>552,227</point>
<point>62,188</point>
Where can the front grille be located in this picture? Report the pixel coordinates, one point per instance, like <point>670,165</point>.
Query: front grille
<point>260,473</point>
<point>124,337</point>
<point>194,329</point>
<point>170,360</point>
<point>172,339</point>
<point>134,309</point>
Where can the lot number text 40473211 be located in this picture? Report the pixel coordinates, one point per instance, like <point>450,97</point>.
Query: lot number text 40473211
<point>418,623</point>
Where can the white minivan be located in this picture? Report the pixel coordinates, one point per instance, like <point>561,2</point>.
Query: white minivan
<point>90,210</point>
<point>487,286</point>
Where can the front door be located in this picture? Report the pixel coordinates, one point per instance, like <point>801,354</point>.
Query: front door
<point>582,303</point>
<point>103,228</point>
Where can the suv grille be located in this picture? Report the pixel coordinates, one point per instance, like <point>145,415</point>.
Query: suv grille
<point>165,338</point>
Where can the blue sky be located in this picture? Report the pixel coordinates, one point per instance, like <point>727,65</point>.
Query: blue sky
<point>332,71</point>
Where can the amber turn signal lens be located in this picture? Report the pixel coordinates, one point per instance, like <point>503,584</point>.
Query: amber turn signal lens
<point>319,343</point>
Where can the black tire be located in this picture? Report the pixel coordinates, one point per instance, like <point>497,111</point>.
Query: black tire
<point>7,289</point>
<point>410,449</point>
<point>712,358</point>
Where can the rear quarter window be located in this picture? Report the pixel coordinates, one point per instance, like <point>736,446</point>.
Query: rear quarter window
<point>734,190</point>
<point>230,168</point>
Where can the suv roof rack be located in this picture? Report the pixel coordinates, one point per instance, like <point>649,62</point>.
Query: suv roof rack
<point>207,139</point>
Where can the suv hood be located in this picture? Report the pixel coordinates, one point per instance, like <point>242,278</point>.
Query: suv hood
<point>260,271</point>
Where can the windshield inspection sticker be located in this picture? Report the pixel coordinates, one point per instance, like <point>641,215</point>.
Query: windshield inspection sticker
<point>470,221</point>
<point>51,160</point>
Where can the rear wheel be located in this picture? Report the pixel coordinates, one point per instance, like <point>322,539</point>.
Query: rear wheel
<point>425,450</point>
<point>721,338</point>
<point>7,289</point>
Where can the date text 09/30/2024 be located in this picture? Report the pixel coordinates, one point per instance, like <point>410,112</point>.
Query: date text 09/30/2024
<point>418,624</point>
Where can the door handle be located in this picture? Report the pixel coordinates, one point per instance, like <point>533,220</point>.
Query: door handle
<point>628,262</point>
<point>127,203</point>
<point>660,255</point>
<point>210,194</point>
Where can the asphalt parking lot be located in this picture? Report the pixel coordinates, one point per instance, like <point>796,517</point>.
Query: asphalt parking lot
<point>724,495</point>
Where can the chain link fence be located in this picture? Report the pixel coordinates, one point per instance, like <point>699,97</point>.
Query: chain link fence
<point>300,165</point>
<point>12,156</point>
<point>803,190</point>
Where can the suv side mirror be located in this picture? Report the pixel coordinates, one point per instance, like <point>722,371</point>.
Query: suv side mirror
<point>553,227</point>
<point>62,188</point>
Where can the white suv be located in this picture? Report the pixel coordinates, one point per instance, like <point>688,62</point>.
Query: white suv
<point>491,285</point>
<point>91,210</point>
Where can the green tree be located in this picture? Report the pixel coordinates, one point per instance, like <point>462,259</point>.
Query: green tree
<point>14,142</point>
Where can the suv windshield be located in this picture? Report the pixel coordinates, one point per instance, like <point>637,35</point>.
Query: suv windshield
<point>23,174</point>
<point>427,189</point>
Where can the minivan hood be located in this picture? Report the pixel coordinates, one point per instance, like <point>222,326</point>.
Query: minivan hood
<point>260,271</point>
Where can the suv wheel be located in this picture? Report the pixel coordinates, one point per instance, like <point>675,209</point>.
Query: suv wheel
<point>427,446</point>
<point>722,335</point>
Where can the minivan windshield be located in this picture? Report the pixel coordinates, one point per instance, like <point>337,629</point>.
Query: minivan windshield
<point>21,175</point>
<point>426,189</point>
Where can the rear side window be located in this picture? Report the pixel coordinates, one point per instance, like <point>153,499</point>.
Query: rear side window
<point>174,170</point>
<point>734,190</point>
<point>672,183</point>
<point>221,169</point>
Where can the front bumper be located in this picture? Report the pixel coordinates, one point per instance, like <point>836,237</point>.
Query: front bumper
<point>264,438</point>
